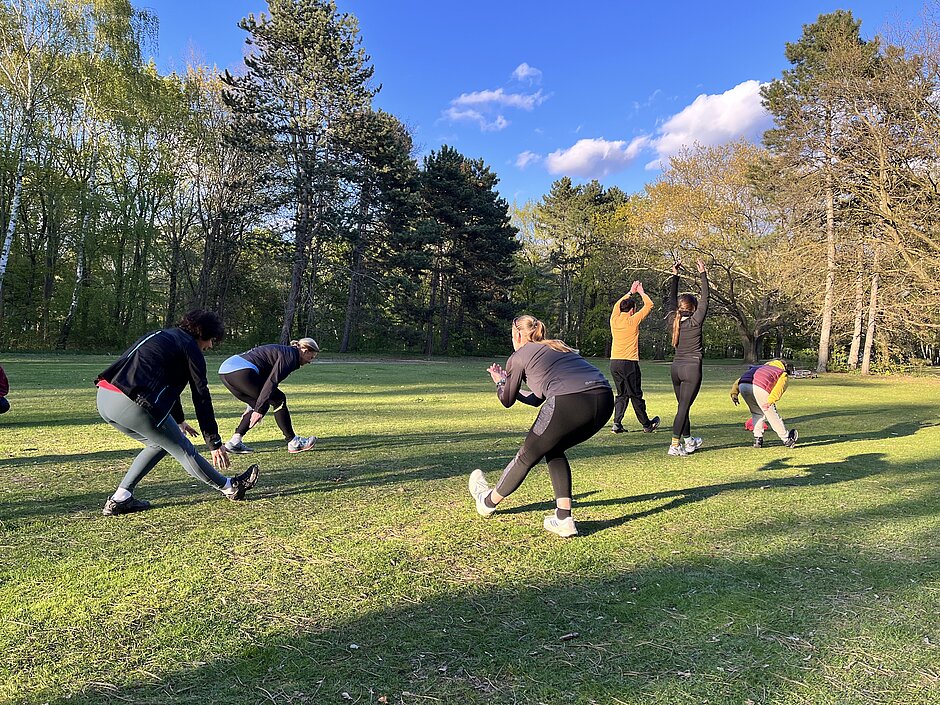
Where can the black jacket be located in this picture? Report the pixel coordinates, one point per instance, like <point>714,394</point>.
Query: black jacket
<point>154,372</point>
<point>691,347</point>
<point>274,363</point>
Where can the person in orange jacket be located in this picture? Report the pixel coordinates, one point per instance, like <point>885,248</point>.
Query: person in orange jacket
<point>762,386</point>
<point>625,323</point>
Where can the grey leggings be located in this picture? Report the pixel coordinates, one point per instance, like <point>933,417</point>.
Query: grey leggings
<point>158,439</point>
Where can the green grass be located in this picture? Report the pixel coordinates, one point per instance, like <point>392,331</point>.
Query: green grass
<point>359,572</point>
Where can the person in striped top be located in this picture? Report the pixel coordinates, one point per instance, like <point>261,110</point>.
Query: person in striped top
<point>762,386</point>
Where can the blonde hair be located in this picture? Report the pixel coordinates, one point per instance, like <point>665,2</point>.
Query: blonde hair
<point>686,306</point>
<point>533,330</point>
<point>306,344</point>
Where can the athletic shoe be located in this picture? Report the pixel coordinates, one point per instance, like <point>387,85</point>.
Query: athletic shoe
<point>113,508</point>
<point>759,442</point>
<point>678,450</point>
<point>791,438</point>
<point>238,447</point>
<point>298,444</point>
<point>617,428</point>
<point>479,489</point>
<point>242,483</point>
<point>692,444</point>
<point>654,424</point>
<point>563,527</point>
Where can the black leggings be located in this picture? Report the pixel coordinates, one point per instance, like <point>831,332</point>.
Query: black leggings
<point>563,422</point>
<point>686,381</point>
<point>246,386</point>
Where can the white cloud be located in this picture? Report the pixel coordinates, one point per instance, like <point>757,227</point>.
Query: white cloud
<point>713,120</point>
<point>500,97</point>
<point>526,158</point>
<point>524,71</point>
<point>457,115</point>
<point>595,158</point>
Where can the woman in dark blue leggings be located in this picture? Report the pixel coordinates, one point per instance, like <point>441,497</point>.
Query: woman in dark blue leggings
<point>576,402</point>
<point>685,318</point>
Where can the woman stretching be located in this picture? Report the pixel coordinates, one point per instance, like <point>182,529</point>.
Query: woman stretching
<point>139,395</point>
<point>253,377</point>
<point>685,318</point>
<point>576,402</point>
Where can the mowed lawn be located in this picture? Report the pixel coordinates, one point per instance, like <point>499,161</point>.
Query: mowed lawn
<point>360,572</point>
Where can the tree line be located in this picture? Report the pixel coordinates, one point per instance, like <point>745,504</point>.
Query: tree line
<point>281,197</point>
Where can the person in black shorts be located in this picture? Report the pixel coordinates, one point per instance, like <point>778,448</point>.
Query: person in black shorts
<point>253,377</point>
<point>576,402</point>
<point>685,318</point>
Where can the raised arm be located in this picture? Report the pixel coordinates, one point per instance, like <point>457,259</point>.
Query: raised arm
<point>702,310</point>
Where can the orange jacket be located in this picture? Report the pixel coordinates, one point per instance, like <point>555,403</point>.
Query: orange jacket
<point>625,329</point>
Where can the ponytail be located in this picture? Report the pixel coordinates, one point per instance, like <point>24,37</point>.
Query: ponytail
<point>533,330</point>
<point>686,306</point>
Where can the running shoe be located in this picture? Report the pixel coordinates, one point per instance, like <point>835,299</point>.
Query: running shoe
<point>298,444</point>
<point>678,450</point>
<point>654,424</point>
<point>617,428</point>
<point>242,483</point>
<point>113,508</point>
<point>759,442</point>
<point>479,489</point>
<point>238,447</point>
<point>563,527</point>
<point>692,444</point>
<point>791,438</point>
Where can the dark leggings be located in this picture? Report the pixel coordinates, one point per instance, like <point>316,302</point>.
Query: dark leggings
<point>563,422</point>
<point>246,386</point>
<point>686,381</point>
<point>628,380</point>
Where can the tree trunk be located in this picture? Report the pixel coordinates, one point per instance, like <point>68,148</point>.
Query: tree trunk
<point>301,243</point>
<point>79,256</point>
<point>432,304</point>
<point>352,298</point>
<point>14,207</point>
<point>826,327</point>
<point>859,310</point>
<point>872,312</point>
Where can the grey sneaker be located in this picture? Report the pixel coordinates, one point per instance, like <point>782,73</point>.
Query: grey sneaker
<point>678,450</point>
<point>479,489</point>
<point>791,438</point>
<point>563,527</point>
<point>242,483</point>
<point>692,444</point>
<point>113,508</point>
<point>301,443</point>
<point>239,447</point>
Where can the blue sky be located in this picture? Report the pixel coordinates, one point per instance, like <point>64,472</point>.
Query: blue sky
<point>605,89</point>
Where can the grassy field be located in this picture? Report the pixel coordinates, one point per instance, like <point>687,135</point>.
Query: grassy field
<point>360,573</point>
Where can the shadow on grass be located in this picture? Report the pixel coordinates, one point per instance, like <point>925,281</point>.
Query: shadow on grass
<point>694,629</point>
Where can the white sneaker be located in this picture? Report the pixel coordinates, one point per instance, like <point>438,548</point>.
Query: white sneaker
<point>678,450</point>
<point>692,444</point>
<point>238,447</point>
<point>479,489</point>
<point>563,527</point>
<point>300,443</point>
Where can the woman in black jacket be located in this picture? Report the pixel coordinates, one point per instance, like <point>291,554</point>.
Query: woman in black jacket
<point>139,395</point>
<point>253,377</point>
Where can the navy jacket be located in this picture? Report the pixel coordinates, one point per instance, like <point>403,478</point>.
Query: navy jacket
<point>154,372</point>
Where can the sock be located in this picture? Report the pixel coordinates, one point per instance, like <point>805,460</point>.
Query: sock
<point>120,494</point>
<point>489,503</point>
<point>675,441</point>
<point>562,514</point>
<point>236,439</point>
<point>228,485</point>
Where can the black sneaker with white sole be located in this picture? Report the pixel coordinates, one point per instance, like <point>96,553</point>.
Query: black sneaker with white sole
<point>113,508</point>
<point>759,442</point>
<point>242,483</point>
<point>791,438</point>
<point>654,424</point>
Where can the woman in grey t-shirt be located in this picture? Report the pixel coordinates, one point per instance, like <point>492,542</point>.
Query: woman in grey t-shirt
<point>576,402</point>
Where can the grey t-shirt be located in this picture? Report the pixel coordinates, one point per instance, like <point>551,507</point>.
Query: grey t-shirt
<point>548,373</point>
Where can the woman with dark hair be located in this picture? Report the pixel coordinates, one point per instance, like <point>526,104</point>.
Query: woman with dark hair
<point>253,377</point>
<point>685,318</point>
<point>576,401</point>
<point>139,395</point>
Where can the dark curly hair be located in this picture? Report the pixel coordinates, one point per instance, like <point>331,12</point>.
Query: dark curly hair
<point>627,305</point>
<point>203,325</point>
